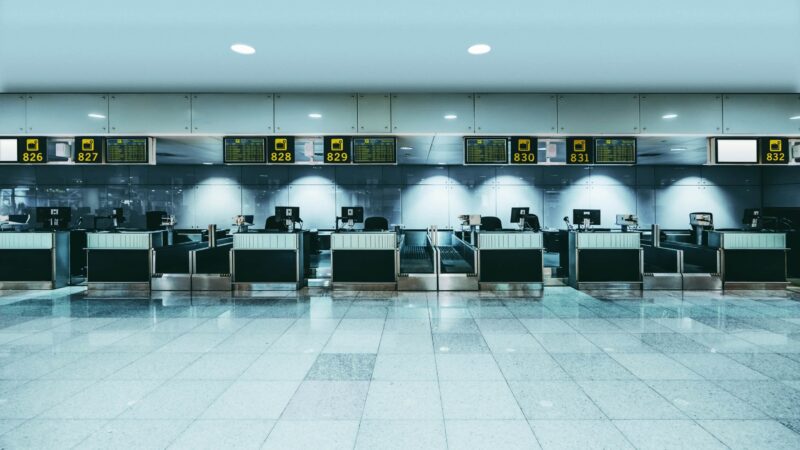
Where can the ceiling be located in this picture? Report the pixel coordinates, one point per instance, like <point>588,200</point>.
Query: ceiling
<point>438,150</point>
<point>409,45</point>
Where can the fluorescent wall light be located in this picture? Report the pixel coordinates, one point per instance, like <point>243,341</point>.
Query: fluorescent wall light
<point>96,116</point>
<point>243,49</point>
<point>450,116</point>
<point>669,116</point>
<point>315,115</point>
<point>794,118</point>
<point>479,49</point>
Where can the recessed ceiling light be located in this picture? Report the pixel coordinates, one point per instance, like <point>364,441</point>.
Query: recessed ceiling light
<point>406,148</point>
<point>243,49</point>
<point>96,116</point>
<point>441,163</point>
<point>208,164</point>
<point>794,118</point>
<point>315,115</point>
<point>479,49</point>
<point>450,116</point>
<point>678,149</point>
<point>669,116</point>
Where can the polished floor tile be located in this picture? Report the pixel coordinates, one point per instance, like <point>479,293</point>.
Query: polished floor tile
<point>388,370</point>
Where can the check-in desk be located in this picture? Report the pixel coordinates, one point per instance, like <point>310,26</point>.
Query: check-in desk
<point>268,261</point>
<point>510,260</point>
<point>172,268</point>
<point>34,260</point>
<point>663,268</point>
<point>364,260</point>
<point>121,261</point>
<point>605,260</point>
<point>751,260</point>
<point>417,262</point>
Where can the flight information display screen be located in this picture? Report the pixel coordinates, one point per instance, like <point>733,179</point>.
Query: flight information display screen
<point>32,150</point>
<point>615,151</point>
<point>336,150</point>
<point>88,150</point>
<point>374,150</point>
<point>524,150</point>
<point>244,150</point>
<point>481,150</point>
<point>135,150</point>
<point>579,150</point>
<point>775,151</point>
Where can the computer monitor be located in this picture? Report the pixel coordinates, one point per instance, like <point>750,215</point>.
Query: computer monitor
<point>752,217</point>
<point>54,217</point>
<point>287,213</point>
<point>248,219</point>
<point>519,213</point>
<point>353,214</point>
<point>579,215</point>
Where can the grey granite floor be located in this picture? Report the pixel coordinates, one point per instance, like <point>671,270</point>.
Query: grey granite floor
<point>373,370</point>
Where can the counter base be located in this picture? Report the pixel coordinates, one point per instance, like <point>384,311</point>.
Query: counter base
<point>211,282</point>
<point>609,285</point>
<point>107,286</point>
<point>511,287</point>
<point>27,285</point>
<point>702,282</point>
<point>171,282</point>
<point>417,282</point>
<point>458,282</point>
<point>755,285</point>
<point>353,286</point>
<point>662,282</point>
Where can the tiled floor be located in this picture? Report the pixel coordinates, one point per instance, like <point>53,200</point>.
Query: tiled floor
<point>372,370</point>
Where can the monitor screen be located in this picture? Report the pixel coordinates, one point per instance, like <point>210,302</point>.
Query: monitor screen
<point>578,215</point>
<point>737,151</point>
<point>374,150</point>
<point>127,150</point>
<point>518,213</point>
<point>8,150</point>
<point>483,150</point>
<point>244,150</point>
<point>287,213</point>
<point>615,151</point>
<point>354,213</point>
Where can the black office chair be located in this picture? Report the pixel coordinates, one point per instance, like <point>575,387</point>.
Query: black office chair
<point>376,224</point>
<point>491,223</point>
<point>272,224</point>
<point>532,222</point>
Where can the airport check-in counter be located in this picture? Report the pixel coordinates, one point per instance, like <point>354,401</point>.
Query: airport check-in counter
<point>456,262</point>
<point>364,260</point>
<point>268,261</point>
<point>417,262</point>
<point>510,260</point>
<point>751,260</point>
<point>121,260</point>
<point>34,260</point>
<point>211,267</point>
<point>605,260</point>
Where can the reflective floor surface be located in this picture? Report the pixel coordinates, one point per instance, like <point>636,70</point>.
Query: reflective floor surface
<point>368,370</point>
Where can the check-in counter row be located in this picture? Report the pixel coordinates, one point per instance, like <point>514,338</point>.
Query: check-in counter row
<point>34,260</point>
<point>731,260</point>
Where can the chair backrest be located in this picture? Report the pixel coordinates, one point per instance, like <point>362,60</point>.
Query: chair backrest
<point>532,222</point>
<point>376,224</point>
<point>491,223</point>
<point>272,224</point>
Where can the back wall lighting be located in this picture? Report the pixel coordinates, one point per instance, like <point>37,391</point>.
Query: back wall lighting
<point>243,49</point>
<point>479,49</point>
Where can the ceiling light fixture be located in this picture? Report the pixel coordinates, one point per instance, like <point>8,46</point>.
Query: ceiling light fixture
<point>406,148</point>
<point>208,164</point>
<point>669,116</point>
<point>479,49</point>
<point>315,115</point>
<point>243,49</point>
<point>678,149</point>
<point>794,118</point>
<point>450,116</point>
<point>96,116</point>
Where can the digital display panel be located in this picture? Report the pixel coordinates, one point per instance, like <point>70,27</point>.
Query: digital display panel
<point>244,150</point>
<point>88,150</point>
<point>8,150</point>
<point>524,150</point>
<point>737,151</point>
<point>127,150</point>
<point>579,150</point>
<point>281,150</point>
<point>336,150</point>
<point>486,150</point>
<point>775,151</point>
<point>615,151</point>
<point>32,150</point>
<point>374,150</point>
